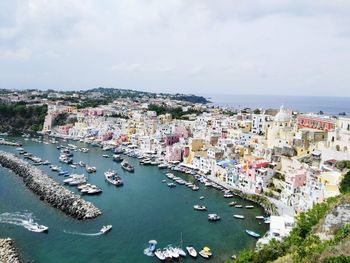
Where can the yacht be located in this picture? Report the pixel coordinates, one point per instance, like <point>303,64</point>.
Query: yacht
<point>199,207</point>
<point>205,253</point>
<point>126,166</point>
<point>213,217</point>
<point>159,254</point>
<point>238,216</point>
<point>113,178</point>
<point>105,229</point>
<point>117,158</point>
<point>191,251</point>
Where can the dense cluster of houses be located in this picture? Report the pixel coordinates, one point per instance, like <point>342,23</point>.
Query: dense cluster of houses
<point>281,154</point>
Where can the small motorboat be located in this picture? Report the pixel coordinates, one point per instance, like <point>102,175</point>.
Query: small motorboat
<point>238,216</point>
<point>173,252</point>
<point>232,203</point>
<point>105,229</point>
<point>252,233</point>
<point>267,220</point>
<point>167,254</point>
<point>151,248</point>
<point>180,251</point>
<point>205,252</point>
<point>238,206</point>
<point>228,195</point>
<point>105,155</point>
<point>82,164</point>
<point>171,185</point>
<point>35,227</point>
<point>260,217</point>
<point>159,254</point>
<point>201,198</point>
<point>249,206</point>
<point>195,188</point>
<point>126,166</point>
<point>191,251</point>
<point>199,207</point>
<point>117,158</point>
<point>213,217</point>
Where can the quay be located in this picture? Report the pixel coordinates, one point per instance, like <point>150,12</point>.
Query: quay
<point>7,143</point>
<point>49,190</point>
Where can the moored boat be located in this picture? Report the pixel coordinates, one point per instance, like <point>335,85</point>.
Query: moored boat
<point>191,251</point>
<point>213,217</point>
<point>199,207</point>
<point>252,233</point>
<point>238,216</point>
<point>159,254</point>
<point>205,252</point>
<point>126,166</point>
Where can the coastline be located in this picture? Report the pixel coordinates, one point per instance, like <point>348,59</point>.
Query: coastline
<point>8,251</point>
<point>7,143</point>
<point>49,190</point>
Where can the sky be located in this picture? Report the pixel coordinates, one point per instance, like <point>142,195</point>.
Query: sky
<point>283,47</point>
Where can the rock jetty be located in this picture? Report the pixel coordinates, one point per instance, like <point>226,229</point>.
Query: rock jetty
<point>8,253</point>
<point>7,143</point>
<point>49,190</point>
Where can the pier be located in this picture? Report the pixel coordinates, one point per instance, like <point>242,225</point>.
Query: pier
<point>49,190</point>
<point>7,143</point>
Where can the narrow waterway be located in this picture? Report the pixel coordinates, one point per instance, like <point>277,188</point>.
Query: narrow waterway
<point>143,209</point>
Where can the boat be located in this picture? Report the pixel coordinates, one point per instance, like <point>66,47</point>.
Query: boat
<point>105,155</point>
<point>162,166</point>
<point>84,150</point>
<point>238,216</point>
<point>259,217</point>
<point>126,166</point>
<point>249,206</point>
<point>171,185</point>
<point>54,168</point>
<point>199,207</point>
<point>205,252</point>
<point>35,227</point>
<point>213,217</point>
<point>180,251</point>
<point>81,164</point>
<point>267,220</point>
<point>173,252</point>
<point>201,198</point>
<point>228,195</point>
<point>195,188</point>
<point>113,178</point>
<point>238,206</point>
<point>159,254</point>
<point>94,190</point>
<point>46,162</point>
<point>232,203</point>
<point>169,175</point>
<point>151,248</point>
<point>105,229</point>
<point>252,233</point>
<point>90,169</point>
<point>191,251</point>
<point>117,158</point>
<point>167,254</point>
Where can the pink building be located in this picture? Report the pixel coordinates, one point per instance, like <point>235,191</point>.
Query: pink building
<point>181,131</point>
<point>173,153</point>
<point>170,139</point>
<point>64,129</point>
<point>296,179</point>
<point>106,136</point>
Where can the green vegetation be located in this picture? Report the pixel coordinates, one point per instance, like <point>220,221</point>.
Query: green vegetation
<point>19,117</point>
<point>345,183</point>
<point>176,113</point>
<point>303,245</point>
<point>341,165</point>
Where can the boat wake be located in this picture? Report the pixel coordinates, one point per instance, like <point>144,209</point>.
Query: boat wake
<point>82,234</point>
<point>25,220</point>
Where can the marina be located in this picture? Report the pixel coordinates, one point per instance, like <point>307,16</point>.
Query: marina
<point>133,222</point>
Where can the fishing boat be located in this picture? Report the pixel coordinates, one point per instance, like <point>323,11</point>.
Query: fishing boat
<point>113,178</point>
<point>249,206</point>
<point>238,216</point>
<point>151,248</point>
<point>205,252</point>
<point>105,229</point>
<point>126,166</point>
<point>191,251</point>
<point>159,254</point>
<point>252,233</point>
<point>199,207</point>
<point>213,217</point>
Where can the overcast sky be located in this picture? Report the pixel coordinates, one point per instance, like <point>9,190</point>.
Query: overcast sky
<point>295,47</point>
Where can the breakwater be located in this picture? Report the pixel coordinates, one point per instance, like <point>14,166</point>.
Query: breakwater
<point>7,143</point>
<point>8,253</point>
<point>49,190</point>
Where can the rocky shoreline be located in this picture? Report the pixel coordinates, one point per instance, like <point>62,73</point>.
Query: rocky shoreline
<point>7,143</point>
<point>49,190</point>
<point>8,252</point>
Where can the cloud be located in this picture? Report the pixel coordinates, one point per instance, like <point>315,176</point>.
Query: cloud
<point>228,46</point>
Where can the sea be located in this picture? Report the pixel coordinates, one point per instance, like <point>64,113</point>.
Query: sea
<point>143,209</point>
<point>305,104</point>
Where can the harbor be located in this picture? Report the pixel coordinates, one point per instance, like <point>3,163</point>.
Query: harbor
<point>143,209</point>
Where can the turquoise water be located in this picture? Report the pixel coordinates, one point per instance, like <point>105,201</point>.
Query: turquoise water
<point>143,209</point>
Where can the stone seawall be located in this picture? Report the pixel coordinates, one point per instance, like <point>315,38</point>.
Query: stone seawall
<point>49,190</point>
<point>7,143</point>
<point>8,253</point>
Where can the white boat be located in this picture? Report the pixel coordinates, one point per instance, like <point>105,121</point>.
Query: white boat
<point>228,195</point>
<point>199,207</point>
<point>180,251</point>
<point>82,164</point>
<point>232,203</point>
<point>162,166</point>
<point>238,206</point>
<point>113,178</point>
<point>260,217</point>
<point>173,252</point>
<point>167,254</point>
<point>249,206</point>
<point>54,168</point>
<point>159,254</point>
<point>191,251</point>
<point>238,216</point>
<point>252,233</point>
<point>207,184</point>
<point>213,217</point>
<point>90,169</point>
<point>169,175</point>
<point>35,227</point>
<point>126,166</point>
<point>105,155</point>
<point>205,253</point>
<point>195,188</point>
<point>171,185</point>
<point>105,229</point>
<point>201,198</point>
<point>151,248</point>
<point>94,190</point>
